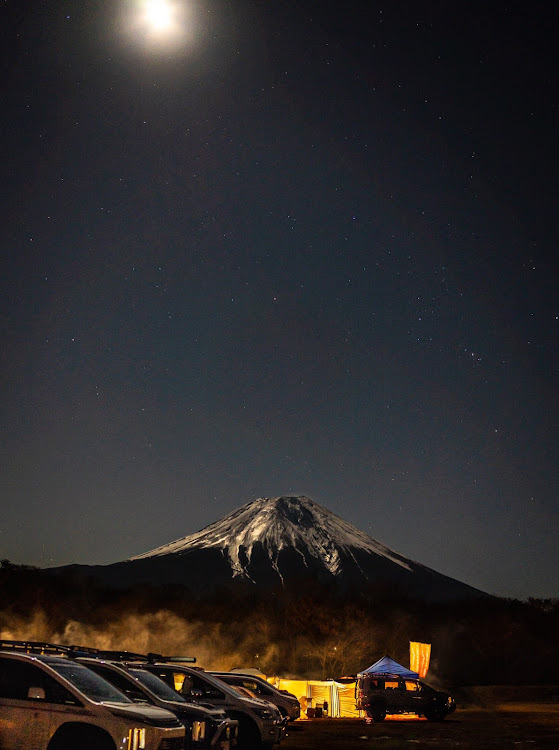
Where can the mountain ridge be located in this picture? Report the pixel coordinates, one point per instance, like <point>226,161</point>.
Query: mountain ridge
<point>279,541</point>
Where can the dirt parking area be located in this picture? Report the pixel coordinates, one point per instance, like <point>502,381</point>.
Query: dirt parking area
<point>519,726</point>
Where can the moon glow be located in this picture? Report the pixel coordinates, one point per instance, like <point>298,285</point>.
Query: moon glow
<point>159,16</point>
<point>157,25</point>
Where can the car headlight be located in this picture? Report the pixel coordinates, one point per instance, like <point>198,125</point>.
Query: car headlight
<point>198,731</point>
<point>136,739</point>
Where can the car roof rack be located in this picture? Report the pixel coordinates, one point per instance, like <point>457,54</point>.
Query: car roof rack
<point>128,656</point>
<point>172,659</point>
<point>58,649</point>
<point>110,655</point>
<point>35,647</point>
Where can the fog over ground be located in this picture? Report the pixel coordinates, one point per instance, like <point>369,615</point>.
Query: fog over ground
<point>159,632</point>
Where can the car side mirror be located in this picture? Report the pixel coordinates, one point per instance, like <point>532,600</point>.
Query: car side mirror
<point>36,693</point>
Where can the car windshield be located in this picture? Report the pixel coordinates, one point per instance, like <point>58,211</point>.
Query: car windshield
<point>220,685</point>
<point>90,684</point>
<point>211,687</point>
<point>157,686</point>
<point>426,688</point>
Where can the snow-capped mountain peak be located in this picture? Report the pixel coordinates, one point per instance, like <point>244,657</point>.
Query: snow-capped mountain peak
<point>290,541</point>
<point>281,523</point>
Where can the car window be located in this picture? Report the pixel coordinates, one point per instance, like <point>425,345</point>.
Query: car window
<point>174,680</point>
<point>182,685</point>
<point>157,686</point>
<point>249,685</point>
<point>257,687</point>
<point>120,681</point>
<point>391,685</point>
<point>96,688</point>
<point>185,682</point>
<point>207,689</point>
<point>181,682</point>
<point>412,686</point>
<point>17,677</point>
<point>427,688</point>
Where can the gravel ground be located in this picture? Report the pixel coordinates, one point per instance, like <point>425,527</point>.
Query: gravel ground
<point>516,726</point>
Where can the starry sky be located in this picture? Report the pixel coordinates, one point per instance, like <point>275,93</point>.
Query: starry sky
<point>281,247</point>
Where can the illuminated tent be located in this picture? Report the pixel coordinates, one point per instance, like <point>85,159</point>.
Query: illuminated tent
<point>387,666</point>
<point>314,693</point>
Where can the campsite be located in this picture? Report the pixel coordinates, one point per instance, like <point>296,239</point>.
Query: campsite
<point>299,633</point>
<point>485,717</point>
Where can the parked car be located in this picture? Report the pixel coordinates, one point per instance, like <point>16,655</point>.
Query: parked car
<point>49,702</point>
<point>206,727</point>
<point>287,703</point>
<point>260,723</point>
<point>378,696</point>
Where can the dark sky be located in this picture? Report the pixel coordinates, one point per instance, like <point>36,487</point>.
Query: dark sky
<point>301,247</point>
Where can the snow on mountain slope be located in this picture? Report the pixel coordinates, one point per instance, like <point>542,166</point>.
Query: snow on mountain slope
<point>279,523</point>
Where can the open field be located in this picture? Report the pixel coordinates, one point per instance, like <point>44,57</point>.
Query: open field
<point>512,725</point>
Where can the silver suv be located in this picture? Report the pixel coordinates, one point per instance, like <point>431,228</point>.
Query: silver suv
<point>52,703</point>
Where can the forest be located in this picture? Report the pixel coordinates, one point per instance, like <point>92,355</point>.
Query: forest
<point>308,632</point>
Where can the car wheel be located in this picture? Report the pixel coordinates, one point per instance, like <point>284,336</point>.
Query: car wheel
<point>81,738</point>
<point>377,712</point>
<point>249,735</point>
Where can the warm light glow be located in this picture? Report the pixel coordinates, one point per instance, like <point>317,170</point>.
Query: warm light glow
<point>405,717</point>
<point>159,15</point>
<point>158,25</point>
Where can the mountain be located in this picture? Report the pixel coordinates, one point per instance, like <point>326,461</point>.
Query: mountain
<point>279,541</point>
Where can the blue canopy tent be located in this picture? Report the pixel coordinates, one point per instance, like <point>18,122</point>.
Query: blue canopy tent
<point>388,667</point>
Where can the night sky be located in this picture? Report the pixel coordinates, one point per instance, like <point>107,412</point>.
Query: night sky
<point>281,247</point>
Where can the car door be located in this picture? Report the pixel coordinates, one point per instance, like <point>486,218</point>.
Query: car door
<point>27,714</point>
<point>415,697</point>
<point>395,691</point>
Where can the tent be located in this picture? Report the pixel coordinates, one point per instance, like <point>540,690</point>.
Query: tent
<point>387,666</point>
<point>340,697</point>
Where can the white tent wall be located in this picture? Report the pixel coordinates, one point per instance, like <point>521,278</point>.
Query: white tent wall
<point>312,693</point>
<point>346,693</point>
